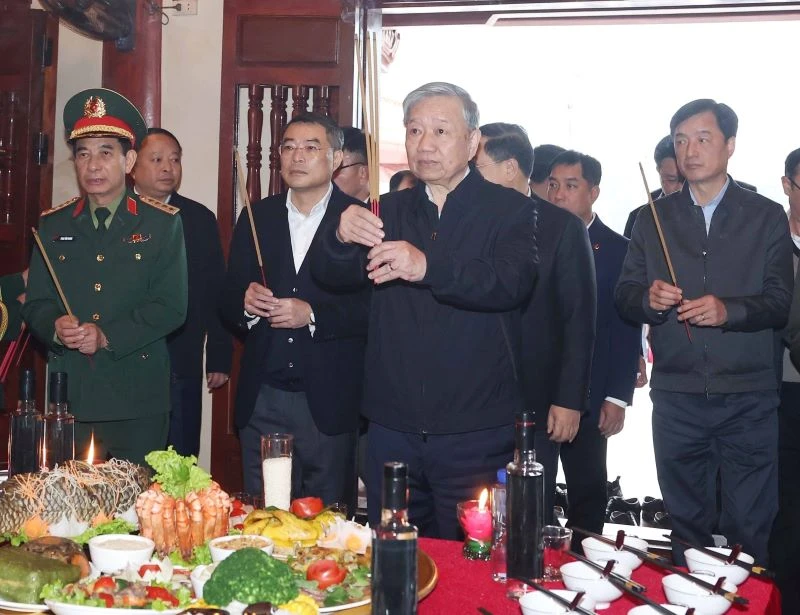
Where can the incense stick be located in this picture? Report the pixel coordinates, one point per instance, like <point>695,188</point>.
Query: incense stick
<point>250,216</point>
<point>368,87</point>
<point>663,241</point>
<point>52,272</point>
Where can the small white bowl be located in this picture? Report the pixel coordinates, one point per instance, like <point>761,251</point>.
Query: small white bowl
<point>646,609</point>
<point>578,576</point>
<point>682,591</point>
<point>697,561</point>
<point>223,546</point>
<point>539,603</point>
<point>199,576</point>
<point>114,552</point>
<point>597,550</point>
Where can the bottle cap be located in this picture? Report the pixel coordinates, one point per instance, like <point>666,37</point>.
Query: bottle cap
<point>58,388</point>
<point>395,485</point>
<point>501,476</point>
<point>27,385</point>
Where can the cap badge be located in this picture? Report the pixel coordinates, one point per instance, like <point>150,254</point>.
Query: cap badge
<point>94,107</point>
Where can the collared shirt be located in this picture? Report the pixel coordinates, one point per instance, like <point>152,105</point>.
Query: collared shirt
<point>302,229</point>
<point>709,208</point>
<point>112,209</point>
<point>618,402</point>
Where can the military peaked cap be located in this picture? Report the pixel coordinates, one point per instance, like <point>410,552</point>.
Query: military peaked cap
<point>100,112</point>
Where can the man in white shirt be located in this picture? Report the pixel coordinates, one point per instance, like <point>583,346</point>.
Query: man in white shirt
<point>303,359</point>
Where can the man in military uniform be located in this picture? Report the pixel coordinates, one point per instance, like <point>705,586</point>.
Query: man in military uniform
<point>120,260</point>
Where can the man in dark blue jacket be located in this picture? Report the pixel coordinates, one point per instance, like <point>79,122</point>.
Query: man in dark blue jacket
<point>451,260</point>
<point>574,185</point>
<point>714,383</point>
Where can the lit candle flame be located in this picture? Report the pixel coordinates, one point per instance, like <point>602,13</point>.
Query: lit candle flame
<point>482,499</point>
<point>44,456</point>
<point>90,454</point>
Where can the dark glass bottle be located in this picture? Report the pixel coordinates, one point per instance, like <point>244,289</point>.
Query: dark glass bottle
<point>59,425</point>
<point>394,548</point>
<point>25,428</point>
<point>525,509</point>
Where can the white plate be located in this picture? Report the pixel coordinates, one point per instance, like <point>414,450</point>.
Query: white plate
<point>21,607</point>
<point>342,607</point>
<point>63,608</point>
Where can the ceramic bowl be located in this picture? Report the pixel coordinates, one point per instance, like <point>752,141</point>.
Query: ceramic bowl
<point>646,609</point>
<point>539,603</point>
<point>223,546</point>
<point>114,552</point>
<point>697,561</point>
<point>597,550</point>
<point>578,576</point>
<point>200,574</point>
<point>682,591</point>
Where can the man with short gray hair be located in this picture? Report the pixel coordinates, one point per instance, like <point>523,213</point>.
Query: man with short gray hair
<point>450,261</point>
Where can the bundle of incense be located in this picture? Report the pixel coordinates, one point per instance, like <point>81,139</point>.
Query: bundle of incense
<point>246,200</point>
<point>666,564</point>
<point>369,110</point>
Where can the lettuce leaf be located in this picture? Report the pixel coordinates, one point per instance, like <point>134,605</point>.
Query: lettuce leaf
<point>177,475</point>
<point>115,526</point>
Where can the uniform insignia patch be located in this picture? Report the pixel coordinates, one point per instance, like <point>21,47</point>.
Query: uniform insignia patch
<point>63,238</point>
<point>167,209</point>
<point>137,238</point>
<point>47,212</point>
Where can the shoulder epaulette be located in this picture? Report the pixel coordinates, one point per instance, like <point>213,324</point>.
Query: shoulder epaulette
<point>167,209</point>
<point>47,212</point>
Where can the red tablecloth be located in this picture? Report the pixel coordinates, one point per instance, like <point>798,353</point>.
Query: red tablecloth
<point>465,585</point>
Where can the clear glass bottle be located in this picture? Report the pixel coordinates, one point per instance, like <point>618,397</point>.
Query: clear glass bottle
<point>524,509</point>
<point>498,556</point>
<point>58,442</point>
<point>394,548</point>
<point>25,428</point>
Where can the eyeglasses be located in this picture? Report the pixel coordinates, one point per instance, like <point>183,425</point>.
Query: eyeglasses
<point>311,150</point>
<point>347,166</point>
<point>791,181</point>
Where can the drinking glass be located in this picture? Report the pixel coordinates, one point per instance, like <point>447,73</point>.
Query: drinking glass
<point>276,468</point>
<point>556,542</point>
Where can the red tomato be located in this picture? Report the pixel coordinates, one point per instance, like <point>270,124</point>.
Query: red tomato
<point>326,572</point>
<point>104,584</point>
<point>107,598</point>
<point>160,593</point>
<point>145,568</point>
<point>239,526</point>
<point>306,507</point>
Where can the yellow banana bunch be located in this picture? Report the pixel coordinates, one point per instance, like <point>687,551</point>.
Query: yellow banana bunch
<point>282,527</point>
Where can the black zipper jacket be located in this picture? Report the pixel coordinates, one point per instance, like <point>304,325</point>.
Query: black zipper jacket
<point>745,260</point>
<point>442,353</point>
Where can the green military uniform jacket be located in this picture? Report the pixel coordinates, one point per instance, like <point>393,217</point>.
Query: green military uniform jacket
<point>131,283</point>
<point>11,287</point>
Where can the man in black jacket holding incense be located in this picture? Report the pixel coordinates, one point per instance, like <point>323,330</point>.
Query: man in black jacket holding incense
<point>715,394</point>
<point>301,371</point>
<point>451,261</point>
<point>157,173</point>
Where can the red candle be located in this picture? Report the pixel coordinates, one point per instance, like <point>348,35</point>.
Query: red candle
<point>478,519</point>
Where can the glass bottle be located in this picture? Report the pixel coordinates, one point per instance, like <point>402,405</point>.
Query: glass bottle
<point>394,548</point>
<point>58,444</point>
<point>524,509</point>
<point>25,428</point>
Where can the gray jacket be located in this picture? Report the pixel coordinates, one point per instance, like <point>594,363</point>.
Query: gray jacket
<point>745,260</point>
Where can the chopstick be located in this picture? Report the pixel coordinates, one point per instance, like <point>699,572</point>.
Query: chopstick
<point>664,563</point>
<point>617,579</point>
<point>561,600</point>
<point>758,571</point>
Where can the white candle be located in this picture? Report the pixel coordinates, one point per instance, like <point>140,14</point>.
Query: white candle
<point>277,472</point>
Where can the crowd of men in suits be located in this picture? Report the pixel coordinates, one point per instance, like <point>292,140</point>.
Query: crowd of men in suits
<point>486,284</point>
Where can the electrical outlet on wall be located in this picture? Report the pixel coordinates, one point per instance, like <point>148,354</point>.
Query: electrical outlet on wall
<point>184,8</point>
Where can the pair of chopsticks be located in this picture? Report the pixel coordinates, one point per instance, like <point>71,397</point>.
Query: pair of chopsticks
<point>754,569</point>
<point>572,605</point>
<point>369,111</point>
<point>667,565</point>
<point>629,586</point>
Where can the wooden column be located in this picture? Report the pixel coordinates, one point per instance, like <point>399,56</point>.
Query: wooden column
<point>136,74</point>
